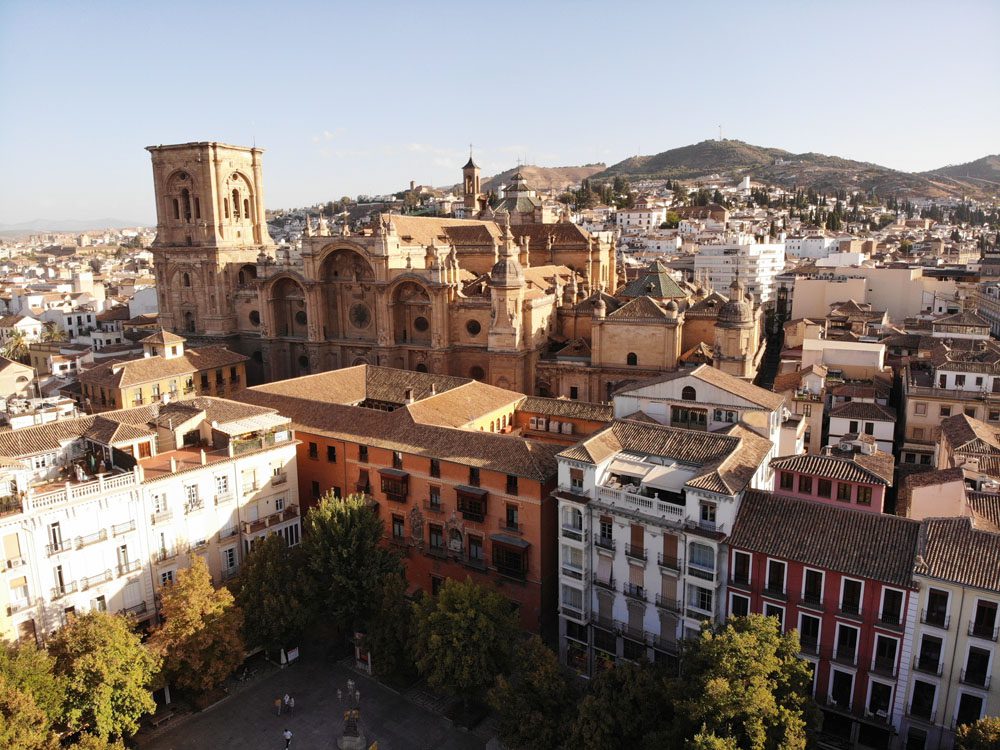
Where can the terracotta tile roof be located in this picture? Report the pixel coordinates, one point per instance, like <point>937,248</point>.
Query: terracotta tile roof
<point>655,282</point>
<point>964,318</point>
<point>833,467</point>
<point>151,369</point>
<point>954,549</point>
<point>109,432</point>
<point>718,378</point>
<point>986,509</point>
<point>932,478</point>
<point>787,381</point>
<point>863,410</point>
<point>163,337</point>
<point>853,542</point>
<point>312,409</point>
<point>562,407</point>
<point>561,233</point>
<point>459,406</point>
<point>426,230</point>
<point>639,308</point>
<point>968,435</point>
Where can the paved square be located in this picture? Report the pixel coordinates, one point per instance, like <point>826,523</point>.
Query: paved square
<point>248,721</point>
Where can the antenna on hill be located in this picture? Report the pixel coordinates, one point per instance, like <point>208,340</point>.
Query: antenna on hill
<point>720,132</point>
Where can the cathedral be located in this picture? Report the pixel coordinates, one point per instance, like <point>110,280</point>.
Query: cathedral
<point>514,297</point>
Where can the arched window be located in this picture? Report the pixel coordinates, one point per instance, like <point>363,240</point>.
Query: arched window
<point>632,359</point>
<point>688,394</point>
<point>189,321</point>
<point>421,368</point>
<point>185,279</point>
<point>236,203</point>
<point>246,207</point>
<point>503,424</point>
<point>177,209</point>
<point>197,208</point>
<point>186,204</point>
<point>225,206</point>
<point>493,426</point>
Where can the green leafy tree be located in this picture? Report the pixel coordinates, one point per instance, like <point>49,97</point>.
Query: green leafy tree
<point>626,706</point>
<point>107,673</point>
<point>744,680</point>
<point>536,703</point>
<point>981,735</point>
<point>709,741</point>
<point>90,742</point>
<point>345,561</point>
<point>23,725</point>
<point>272,594</point>
<point>16,346</point>
<point>201,638</point>
<point>389,635</point>
<point>681,194</point>
<point>32,670</point>
<point>465,637</point>
<point>673,220</point>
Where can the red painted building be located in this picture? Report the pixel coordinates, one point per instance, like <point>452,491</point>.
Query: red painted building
<point>843,578</point>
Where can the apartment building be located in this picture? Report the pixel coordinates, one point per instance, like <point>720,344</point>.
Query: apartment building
<point>954,380</point>
<point>805,396</point>
<point>852,473</point>
<point>100,512</point>
<point>754,264</point>
<point>859,417</point>
<point>166,370</point>
<point>844,579</point>
<point>643,511</point>
<point>955,655</point>
<point>461,489</point>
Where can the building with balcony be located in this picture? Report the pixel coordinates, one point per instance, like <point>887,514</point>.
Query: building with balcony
<point>461,488</point>
<point>166,372</point>
<point>100,512</point>
<point>857,417</point>
<point>852,473</point>
<point>843,578</point>
<point>954,676</point>
<point>961,376</point>
<point>643,511</point>
<point>972,446</point>
<point>805,396</point>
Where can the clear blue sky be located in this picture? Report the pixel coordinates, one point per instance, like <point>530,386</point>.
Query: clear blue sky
<point>361,97</point>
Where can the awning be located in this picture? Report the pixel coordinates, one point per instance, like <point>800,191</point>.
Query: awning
<point>628,468</point>
<point>510,541</point>
<point>16,583</point>
<point>256,423</point>
<point>474,491</point>
<point>395,473</point>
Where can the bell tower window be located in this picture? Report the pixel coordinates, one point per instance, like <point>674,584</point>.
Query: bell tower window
<point>236,204</point>
<point>185,279</point>
<point>632,359</point>
<point>177,209</point>
<point>246,207</point>
<point>197,208</point>
<point>225,207</point>
<point>186,203</point>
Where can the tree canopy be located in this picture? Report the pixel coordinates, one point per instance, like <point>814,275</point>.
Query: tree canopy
<point>981,735</point>
<point>344,560</point>
<point>273,595</point>
<point>389,635</point>
<point>107,673</point>
<point>201,637</point>
<point>464,638</point>
<point>30,669</point>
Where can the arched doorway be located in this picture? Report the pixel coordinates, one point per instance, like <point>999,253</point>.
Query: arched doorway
<point>410,307</point>
<point>288,309</point>
<point>348,308</point>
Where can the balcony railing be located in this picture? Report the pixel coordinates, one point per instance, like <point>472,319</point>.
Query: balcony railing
<point>809,645</point>
<point>165,553</point>
<point>740,580</point>
<point>571,610</point>
<point>97,536</point>
<point>572,571</point>
<point>812,599</point>
<point>517,572</point>
<point>922,713</point>
<point>605,542</point>
<point>844,655</point>
<point>163,516</point>
<point>635,552</point>
<point>135,610</point>
<point>252,527</point>
<point>10,505</point>
<point>434,551</point>
<point>983,630</point>
<point>95,580</point>
<point>634,591</point>
<point>510,527</point>
<point>223,497</point>
<point>890,620</point>
<point>433,507</point>
<point>775,590</point>
<point>56,547</point>
<point>18,605</point>
<point>123,528</point>
<point>192,506</point>
<point>977,678</point>
<point>937,619</point>
<point>227,533</point>
<point>700,571</point>
<point>58,592</point>
<point>884,666</point>
<point>575,533</point>
<point>670,563</point>
<point>604,583</point>
<point>649,506</point>
<point>927,665</point>
<point>229,573</point>
<point>476,563</point>
<point>279,478</point>
<point>850,610</point>
<point>128,567</point>
<point>671,605</point>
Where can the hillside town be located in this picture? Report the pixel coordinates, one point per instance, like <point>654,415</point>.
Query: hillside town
<point>631,410</point>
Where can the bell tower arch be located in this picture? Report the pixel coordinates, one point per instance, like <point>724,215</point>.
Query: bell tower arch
<point>210,224</point>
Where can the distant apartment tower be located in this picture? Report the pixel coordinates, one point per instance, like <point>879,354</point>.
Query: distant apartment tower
<point>755,264</point>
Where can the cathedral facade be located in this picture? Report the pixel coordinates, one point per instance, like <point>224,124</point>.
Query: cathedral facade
<point>534,306</point>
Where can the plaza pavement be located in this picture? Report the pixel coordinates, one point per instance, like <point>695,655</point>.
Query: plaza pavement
<point>247,720</point>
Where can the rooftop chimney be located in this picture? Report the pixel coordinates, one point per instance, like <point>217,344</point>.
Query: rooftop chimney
<point>408,396</point>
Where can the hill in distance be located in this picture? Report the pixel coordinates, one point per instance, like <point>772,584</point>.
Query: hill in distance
<point>543,178</point>
<point>982,173</point>
<point>732,160</point>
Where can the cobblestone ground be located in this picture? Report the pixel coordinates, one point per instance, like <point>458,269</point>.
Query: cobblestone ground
<point>247,720</point>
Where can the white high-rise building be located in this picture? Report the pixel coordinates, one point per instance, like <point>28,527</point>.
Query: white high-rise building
<point>756,264</point>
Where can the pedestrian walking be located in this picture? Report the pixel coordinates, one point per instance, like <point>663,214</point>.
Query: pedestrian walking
<point>277,705</point>
<point>291,705</point>
<point>287,734</point>
<point>287,698</point>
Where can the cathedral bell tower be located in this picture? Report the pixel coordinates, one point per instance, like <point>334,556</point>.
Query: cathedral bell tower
<point>210,228</point>
<point>471,188</point>
<point>507,297</point>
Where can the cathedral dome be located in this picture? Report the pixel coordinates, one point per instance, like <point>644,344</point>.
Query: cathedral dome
<point>507,272</point>
<point>737,311</point>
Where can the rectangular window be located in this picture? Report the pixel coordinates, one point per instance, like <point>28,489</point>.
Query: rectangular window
<point>474,476</point>
<point>314,490</point>
<point>775,577</point>
<point>166,577</point>
<point>363,453</point>
<point>805,484</point>
<point>959,380</point>
<point>844,492</point>
<point>574,393</point>
<point>472,507</point>
<point>511,484</point>
<point>809,633</point>
<point>922,700</point>
<point>945,411</point>
<point>397,460</point>
<point>773,610</point>
<point>512,519</point>
<point>397,527</point>
<point>929,656</point>
<point>435,468</point>
<point>869,428</point>
<point>739,606</point>
<point>853,426</point>
<point>741,568</point>
<point>970,709</point>
<point>331,454</point>
<point>920,409</point>
<point>313,451</point>
<point>576,479</point>
<point>892,607</point>
<point>436,536</point>
<point>886,649</point>
<point>787,480</point>
<point>847,643</point>
<point>864,495</point>
<point>824,488</point>
<point>434,497</point>
<point>850,597</point>
<point>984,625</point>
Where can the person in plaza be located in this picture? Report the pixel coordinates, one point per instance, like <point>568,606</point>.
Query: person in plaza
<point>286,699</point>
<point>287,734</point>
<point>277,705</point>
<point>291,705</point>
